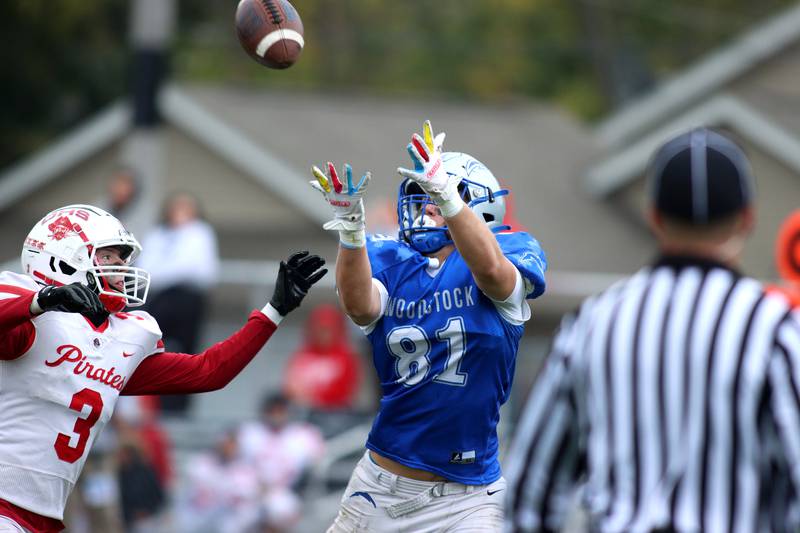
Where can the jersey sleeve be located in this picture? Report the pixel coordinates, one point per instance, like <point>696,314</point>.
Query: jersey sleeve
<point>515,308</point>
<point>384,295</point>
<point>180,373</point>
<point>527,255</point>
<point>547,454</point>
<point>17,332</point>
<point>385,252</point>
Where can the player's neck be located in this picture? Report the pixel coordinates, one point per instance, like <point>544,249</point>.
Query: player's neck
<point>443,253</point>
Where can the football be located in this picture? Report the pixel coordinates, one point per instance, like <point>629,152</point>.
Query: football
<point>270,31</point>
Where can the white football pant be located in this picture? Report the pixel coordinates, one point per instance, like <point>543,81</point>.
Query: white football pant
<point>376,500</point>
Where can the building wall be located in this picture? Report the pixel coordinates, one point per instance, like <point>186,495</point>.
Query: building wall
<point>80,185</point>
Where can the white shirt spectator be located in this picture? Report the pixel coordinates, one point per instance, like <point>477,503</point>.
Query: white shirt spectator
<point>183,254</point>
<point>281,455</point>
<point>219,496</point>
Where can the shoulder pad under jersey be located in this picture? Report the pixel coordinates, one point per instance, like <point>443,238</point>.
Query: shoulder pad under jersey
<point>527,255</point>
<point>385,252</point>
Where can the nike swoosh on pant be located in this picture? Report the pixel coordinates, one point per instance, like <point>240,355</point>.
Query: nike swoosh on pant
<point>366,496</point>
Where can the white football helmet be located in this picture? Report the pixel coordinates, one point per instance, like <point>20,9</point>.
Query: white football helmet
<point>62,247</point>
<point>484,194</point>
<point>478,187</point>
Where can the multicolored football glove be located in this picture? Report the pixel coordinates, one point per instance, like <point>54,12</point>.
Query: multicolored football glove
<point>347,202</point>
<point>429,173</point>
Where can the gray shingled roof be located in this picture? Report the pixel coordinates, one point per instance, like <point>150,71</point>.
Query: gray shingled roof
<point>536,150</point>
<point>691,85</point>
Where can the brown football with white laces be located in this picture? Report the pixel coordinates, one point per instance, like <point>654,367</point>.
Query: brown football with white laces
<point>270,31</point>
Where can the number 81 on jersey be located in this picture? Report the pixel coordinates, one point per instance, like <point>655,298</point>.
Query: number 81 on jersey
<point>411,347</point>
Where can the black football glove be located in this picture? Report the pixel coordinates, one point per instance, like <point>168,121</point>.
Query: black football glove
<point>72,298</point>
<point>295,276</point>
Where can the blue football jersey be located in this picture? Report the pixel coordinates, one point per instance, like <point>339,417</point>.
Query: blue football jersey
<point>445,358</point>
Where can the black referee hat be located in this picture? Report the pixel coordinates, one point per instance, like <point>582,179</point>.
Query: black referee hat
<point>700,176</point>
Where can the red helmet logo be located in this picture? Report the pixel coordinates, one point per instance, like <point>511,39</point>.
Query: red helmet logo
<point>61,228</point>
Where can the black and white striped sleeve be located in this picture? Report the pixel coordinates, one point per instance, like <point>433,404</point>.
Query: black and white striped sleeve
<point>784,388</point>
<point>545,457</point>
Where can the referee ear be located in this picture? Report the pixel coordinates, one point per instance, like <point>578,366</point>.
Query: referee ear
<point>748,220</point>
<point>655,221</point>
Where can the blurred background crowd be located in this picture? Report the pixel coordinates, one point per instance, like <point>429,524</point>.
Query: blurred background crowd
<point>150,109</point>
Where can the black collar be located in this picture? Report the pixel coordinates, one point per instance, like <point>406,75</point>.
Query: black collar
<point>679,262</point>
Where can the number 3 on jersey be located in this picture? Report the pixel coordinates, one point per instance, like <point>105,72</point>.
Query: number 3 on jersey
<point>412,348</point>
<point>83,426</point>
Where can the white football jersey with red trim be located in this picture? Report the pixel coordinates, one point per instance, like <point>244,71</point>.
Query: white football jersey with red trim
<point>58,396</point>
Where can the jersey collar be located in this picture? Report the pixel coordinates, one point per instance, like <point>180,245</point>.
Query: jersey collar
<point>680,261</point>
<point>101,328</point>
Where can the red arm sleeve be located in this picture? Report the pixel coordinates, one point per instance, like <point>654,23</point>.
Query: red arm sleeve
<point>16,329</point>
<point>180,373</point>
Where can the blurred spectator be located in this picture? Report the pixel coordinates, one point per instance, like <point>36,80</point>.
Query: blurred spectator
<point>136,419</point>
<point>94,506</point>
<point>283,451</point>
<point>142,496</point>
<point>123,192</point>
<point>325,372</point>
<point>382,216</point>
<point>98,487</point>
<point>222,492</point>
<point>182,258</point>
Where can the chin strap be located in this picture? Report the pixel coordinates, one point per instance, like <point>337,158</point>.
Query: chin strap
<point>448,238</point>
<point>114,303</point>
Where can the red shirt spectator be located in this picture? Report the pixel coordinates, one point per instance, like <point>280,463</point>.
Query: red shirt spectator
<point>324,373</point>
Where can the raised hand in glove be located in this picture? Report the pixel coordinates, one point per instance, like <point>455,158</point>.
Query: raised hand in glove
<point>72,298</point>
<point>429,172</point>
<point>295,276</point>
<point>347,202</point>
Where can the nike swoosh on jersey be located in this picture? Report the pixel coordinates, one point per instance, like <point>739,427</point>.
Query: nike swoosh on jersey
<point>126,354</point>
<point>490,492</point>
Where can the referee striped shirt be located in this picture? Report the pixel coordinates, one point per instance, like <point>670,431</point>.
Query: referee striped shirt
<point>672,400</point>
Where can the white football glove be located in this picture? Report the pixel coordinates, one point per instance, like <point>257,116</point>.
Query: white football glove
<point>429,173</point>
<point>346,200</point>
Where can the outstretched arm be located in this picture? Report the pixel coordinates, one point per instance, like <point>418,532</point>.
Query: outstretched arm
<point>177,373</point>
<point>493,273</point>
<point>358,295</point>
<point>180,373</point>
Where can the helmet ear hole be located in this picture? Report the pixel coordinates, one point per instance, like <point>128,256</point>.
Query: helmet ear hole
<point>463,190</point>
<point>66,269</point>
<point>488,217</point>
